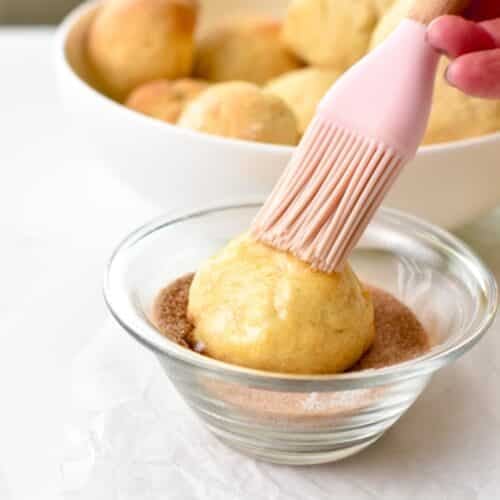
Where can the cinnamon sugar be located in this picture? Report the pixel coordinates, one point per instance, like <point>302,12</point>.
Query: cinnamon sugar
<point>169,313</point>
<point>399,335</point>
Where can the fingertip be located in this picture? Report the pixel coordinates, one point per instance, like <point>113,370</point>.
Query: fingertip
<point>476,74</point>
<point>460,75</point>
<point>447,34</point>
<point>442,22</point>
<point>437,33</point>
<point>456,36</point>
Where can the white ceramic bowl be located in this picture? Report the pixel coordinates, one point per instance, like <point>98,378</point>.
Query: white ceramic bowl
<point>449,184</point>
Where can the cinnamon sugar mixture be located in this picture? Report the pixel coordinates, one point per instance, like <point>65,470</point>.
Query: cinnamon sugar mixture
<point>399,335</point>
<point>169,311</point>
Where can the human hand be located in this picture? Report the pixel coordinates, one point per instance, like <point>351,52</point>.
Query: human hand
<point>473,45</point>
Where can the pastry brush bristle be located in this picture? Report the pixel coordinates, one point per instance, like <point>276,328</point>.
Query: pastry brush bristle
<point>327,195</point>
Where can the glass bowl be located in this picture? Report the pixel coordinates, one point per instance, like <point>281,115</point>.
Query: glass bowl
<point>306,419</point>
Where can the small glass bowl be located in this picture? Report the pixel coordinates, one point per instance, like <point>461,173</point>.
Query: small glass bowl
<point>306,419</point>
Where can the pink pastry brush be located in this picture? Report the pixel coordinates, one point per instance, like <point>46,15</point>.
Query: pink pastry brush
<point>367,127</point>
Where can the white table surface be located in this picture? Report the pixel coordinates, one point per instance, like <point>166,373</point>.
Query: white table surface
<point>61,213</point>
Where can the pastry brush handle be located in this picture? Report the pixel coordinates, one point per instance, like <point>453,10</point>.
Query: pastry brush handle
<point>425,11</point>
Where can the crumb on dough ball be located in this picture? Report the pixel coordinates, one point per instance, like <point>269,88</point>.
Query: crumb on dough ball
<point>389,22</point>
<point>333,33</point>
<point>131,42</point>
<point>248,49</point>
<point>165,99</point>
<point>254,306</point>
<point>455,116</point>
<point>302,90</point>
<point>241,110</point>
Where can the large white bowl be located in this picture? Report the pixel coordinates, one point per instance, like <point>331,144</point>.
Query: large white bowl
<point>448,184</point>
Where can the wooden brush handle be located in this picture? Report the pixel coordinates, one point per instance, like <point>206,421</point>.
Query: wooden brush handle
<point>425,11</point>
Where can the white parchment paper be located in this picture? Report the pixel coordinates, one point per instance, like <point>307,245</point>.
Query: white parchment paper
<point>130,436</point>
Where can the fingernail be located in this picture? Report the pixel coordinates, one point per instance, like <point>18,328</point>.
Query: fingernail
<point>438,49</point>
<point>442,52</point>
<point>447,76</point>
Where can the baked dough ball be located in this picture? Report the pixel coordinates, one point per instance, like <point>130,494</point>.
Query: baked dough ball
<point>254,306</point>
<point>243,111</point>
<point>389,22</point>
<point>302,90</point>
<point>383,6</point>
<point>248,49</point>
<point>333,33</point>
<point>456,116</point>
<point>132,42</point>
<point>165,99</point>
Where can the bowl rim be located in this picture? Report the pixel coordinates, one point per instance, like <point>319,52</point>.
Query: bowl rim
<point>62,62</point>
<point>148,335</point>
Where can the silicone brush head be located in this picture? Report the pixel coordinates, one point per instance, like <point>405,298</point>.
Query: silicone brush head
<point>366,129</point>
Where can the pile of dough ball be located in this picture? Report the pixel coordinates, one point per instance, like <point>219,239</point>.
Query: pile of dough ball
<point>254,306</point>
<point>253,78</point>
